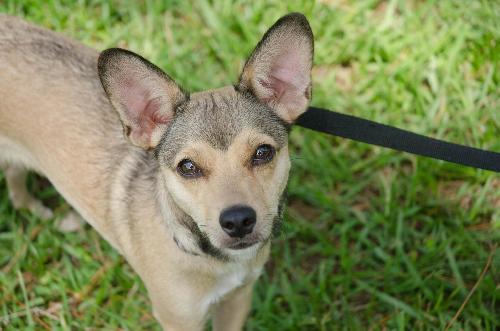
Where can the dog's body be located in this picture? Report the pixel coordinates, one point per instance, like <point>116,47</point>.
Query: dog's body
<point>56,119</point>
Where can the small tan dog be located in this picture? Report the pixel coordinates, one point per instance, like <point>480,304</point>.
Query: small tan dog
<point>192,195</point>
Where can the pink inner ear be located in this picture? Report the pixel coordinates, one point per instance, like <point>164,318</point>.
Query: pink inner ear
<point>143,111</point>
<point>135,98</point>
<point>152,112</point>
<point>275,87</point>
<point>287,68</point>
<point>148,119</point>
<point>286,78</point>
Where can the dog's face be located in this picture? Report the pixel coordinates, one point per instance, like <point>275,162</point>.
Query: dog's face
<point>225,162</point>
<point>223,154</point>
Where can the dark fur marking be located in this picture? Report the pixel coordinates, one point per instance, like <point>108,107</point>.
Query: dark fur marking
<point>202,239</point>
<point>127,130</point>
<point>209,249</point>
<point>278,219</point>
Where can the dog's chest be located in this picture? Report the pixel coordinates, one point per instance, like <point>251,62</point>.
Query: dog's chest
<point>228,280</point>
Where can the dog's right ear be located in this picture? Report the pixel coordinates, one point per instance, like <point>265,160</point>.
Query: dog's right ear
<point>142,94</point>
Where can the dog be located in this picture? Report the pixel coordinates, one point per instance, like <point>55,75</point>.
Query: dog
<point>187,187</point>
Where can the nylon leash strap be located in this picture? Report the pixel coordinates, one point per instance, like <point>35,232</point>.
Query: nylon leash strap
<point>374,133</point>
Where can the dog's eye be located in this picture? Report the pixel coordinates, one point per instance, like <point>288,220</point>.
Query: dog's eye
<point>263,154</point>
<point>188,168</point>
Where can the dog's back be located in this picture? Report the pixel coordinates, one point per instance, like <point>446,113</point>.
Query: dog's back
<point>54,115</point>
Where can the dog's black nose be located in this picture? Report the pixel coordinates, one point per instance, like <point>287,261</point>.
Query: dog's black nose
<point>238,221</point>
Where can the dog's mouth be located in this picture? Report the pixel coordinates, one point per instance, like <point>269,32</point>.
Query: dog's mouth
<point>242,244</point>
<point>253,239</point>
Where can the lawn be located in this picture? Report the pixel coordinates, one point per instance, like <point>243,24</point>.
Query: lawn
<point>373,239</point>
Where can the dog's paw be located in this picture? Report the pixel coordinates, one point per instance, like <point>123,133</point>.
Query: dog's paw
<point>72,222</point>
<point>38,209</point>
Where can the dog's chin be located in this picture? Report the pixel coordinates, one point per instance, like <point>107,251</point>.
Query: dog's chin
<point>243,251</point>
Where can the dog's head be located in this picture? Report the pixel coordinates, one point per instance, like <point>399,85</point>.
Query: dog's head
<point>223,154</point>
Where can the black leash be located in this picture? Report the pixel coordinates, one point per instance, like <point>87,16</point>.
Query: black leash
<point>370,132</point>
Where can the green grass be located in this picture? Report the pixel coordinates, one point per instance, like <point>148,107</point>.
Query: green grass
<point>374,239</point>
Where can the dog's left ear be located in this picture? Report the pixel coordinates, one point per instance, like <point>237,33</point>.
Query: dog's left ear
<point>278,72</point>
<point>143,95</point>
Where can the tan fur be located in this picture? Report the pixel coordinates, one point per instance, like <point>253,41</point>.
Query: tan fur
<point>55,119</point>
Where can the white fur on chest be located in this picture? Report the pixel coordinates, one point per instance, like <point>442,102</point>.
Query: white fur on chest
<point>228,280</point>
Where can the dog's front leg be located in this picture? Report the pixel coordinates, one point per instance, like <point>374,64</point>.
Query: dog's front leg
<point>177,313</point>
<point>230,314</point>
<point>176,325</point>
<point>176,298</point>
<point>173,321</point>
